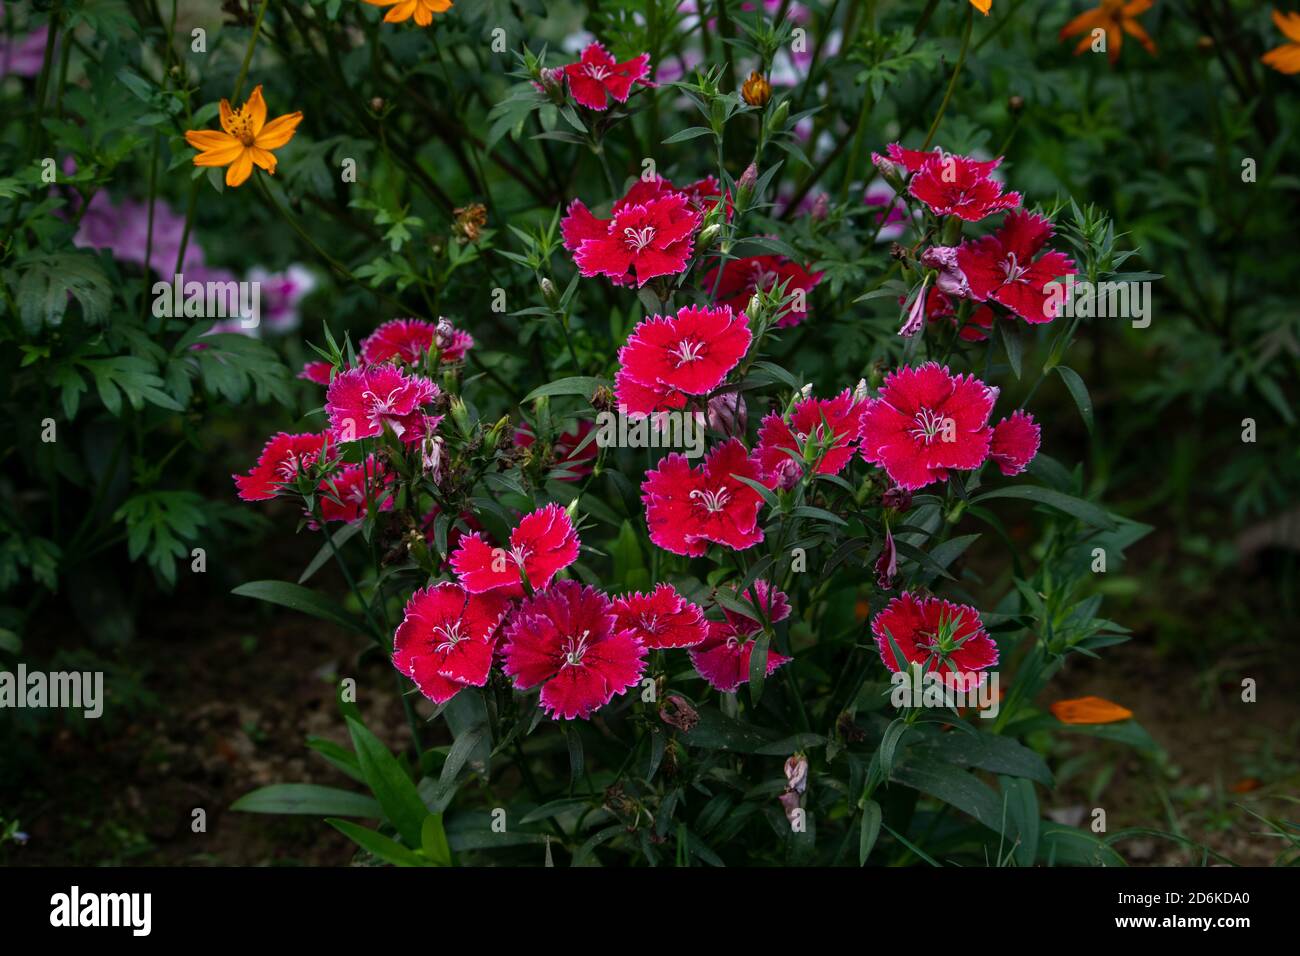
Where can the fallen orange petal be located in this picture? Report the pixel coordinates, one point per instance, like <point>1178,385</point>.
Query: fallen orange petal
<point>1089,710</point>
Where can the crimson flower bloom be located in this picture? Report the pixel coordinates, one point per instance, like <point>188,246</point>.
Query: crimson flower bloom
<point>837,420</point>
<point>760,594</point>
<point>283,456</point>
<point>409,340</point>
<point>1002,267</point>
<point>691,352</point>
<point>361,401</point>
<point>685,508</point>
<point>541,545</point>
<point>640,398</point>
<point>446,639</point>
<point>642,240</point>
<point>342,496</point>
<point>662,618</point>
<point>573,460</point>
<point>704,194</point>
<point>741,278</point>
<point>723,658</point>
<point>1015,442</point>
<point>597,76</point>
<point>566,639</point>
<point>926,421</point>
<point>954,185</point>
<point>940,636</point>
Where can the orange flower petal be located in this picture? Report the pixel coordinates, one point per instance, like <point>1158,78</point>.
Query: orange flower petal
<point>240,169</point>
<point>983,6</point>
<point>227,117</point>
<point>1089,710</point>
<point>255,108</point>
<point>1284,59</point>
<point>1135,30</point>
<point>423,15</point>
<point>206,139</point>
<point>402,11</point>
<point>264,158</point>
<point>220,157</point>
<point>279,131</point>
<point>1289,24</point>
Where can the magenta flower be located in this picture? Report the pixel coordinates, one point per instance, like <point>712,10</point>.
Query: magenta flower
<point>1002,268</point>
<point>1015,442</point>
<point>565,639</point>
<point>953,185</point>
<point>690,353</point>
<point>446,639</point>
<point>597,76</point>
<point>642,240</point>
<point>741,278</point>
<point>941,636</point>
<point>343,495</point>
<point>662,618</point>
<point>781,443</point>
<point>927,421</point>
<point>541,545</point>
<point>361,401</point>
<point>280,462</point>
<point>410,339</point>
<point>686,508</point>
<point>723,657</point>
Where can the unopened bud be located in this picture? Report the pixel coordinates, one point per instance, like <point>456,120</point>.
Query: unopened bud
<point>796,773</point>
<point>377,104</point>
<point>549,294</point>
<point>728,414</point>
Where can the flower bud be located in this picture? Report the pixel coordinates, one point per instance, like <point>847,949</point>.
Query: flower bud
<point>706,236</point>
<point>779,115</point>
<point>821,207</point>
<point>728,414</point>
<point>1016,103</point>
<point>756,90</point>
<point>888,171</point>
<point>796,773</point>
<point>887,563</point>
<point>860,393</point>
<point>549,294</point>
<point>377,104</point>
<point>460,415</point>
<point>748,179</point>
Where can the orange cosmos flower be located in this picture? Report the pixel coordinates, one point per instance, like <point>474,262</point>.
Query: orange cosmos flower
<point>1116,17</point>
<point>1089,710</point>
<point>983,6</point>
<point>1286,58</point>
<point>422,10</point>
<point>247,139</point>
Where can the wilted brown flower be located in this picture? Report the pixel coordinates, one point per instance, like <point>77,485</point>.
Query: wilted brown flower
<point>470,221</point>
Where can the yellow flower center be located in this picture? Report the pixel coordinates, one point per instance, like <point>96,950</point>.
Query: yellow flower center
<point>241,126</point>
